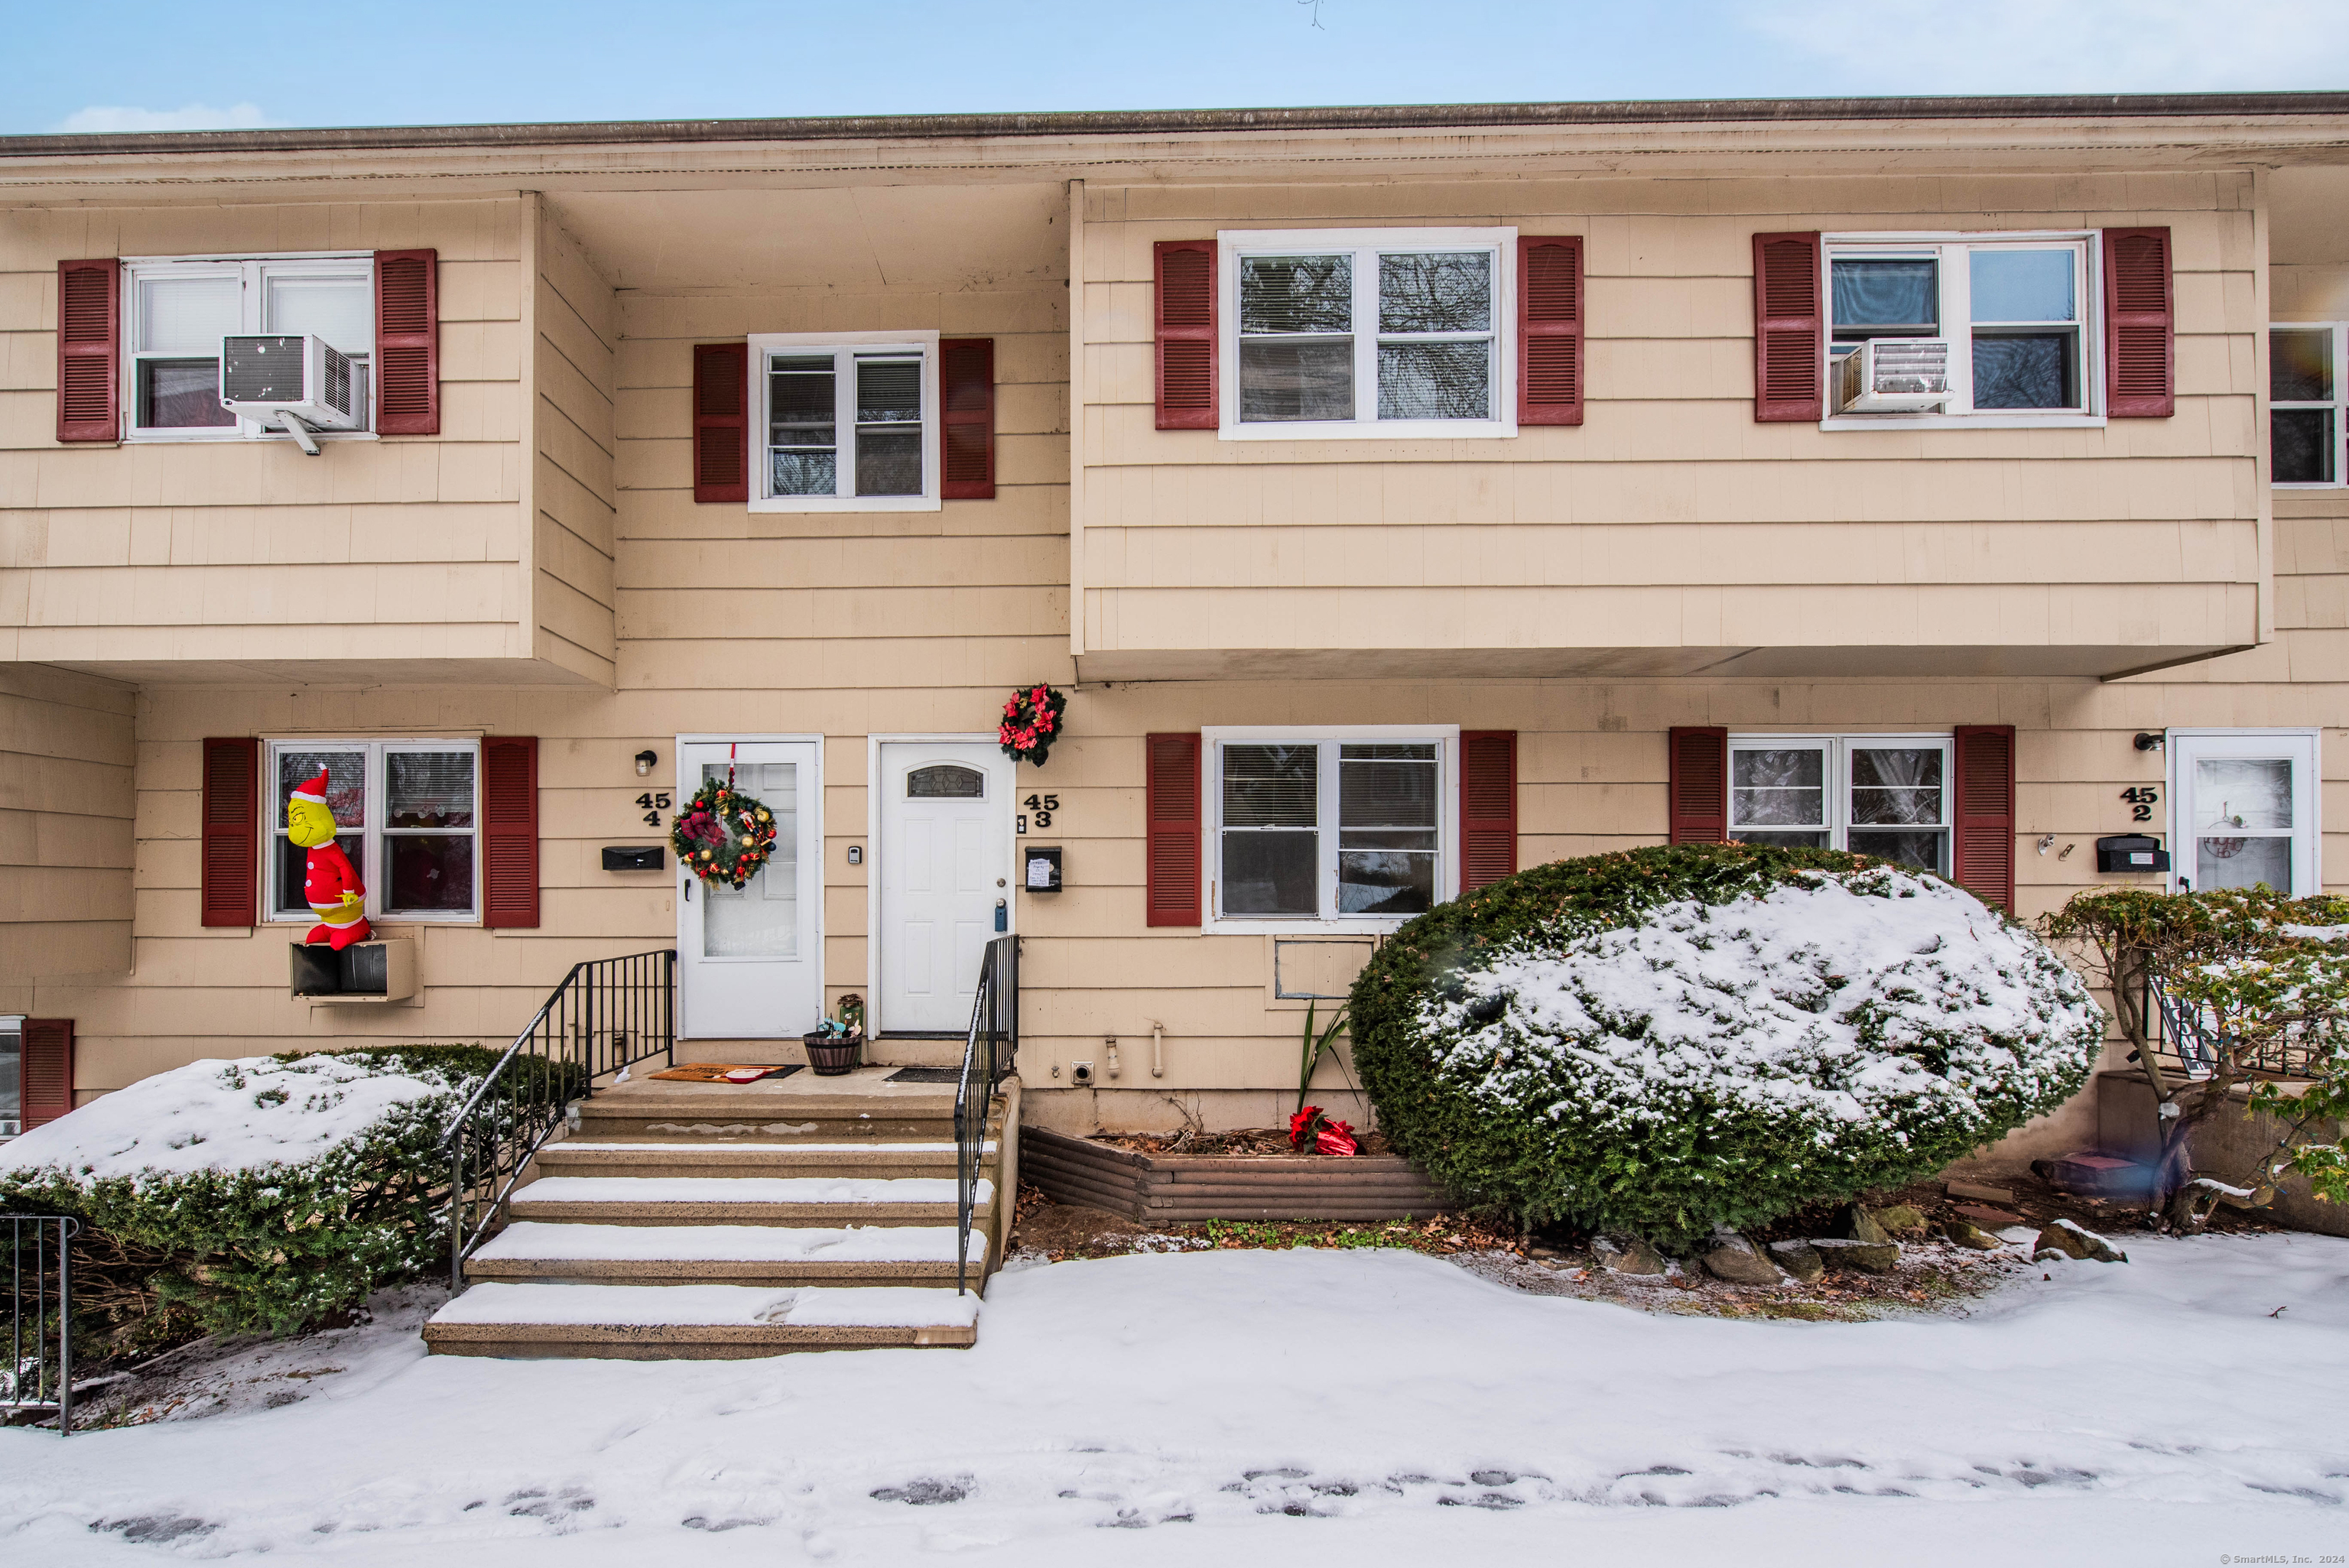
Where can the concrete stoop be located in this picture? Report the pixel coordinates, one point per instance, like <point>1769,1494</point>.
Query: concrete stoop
<point>703,1222</point>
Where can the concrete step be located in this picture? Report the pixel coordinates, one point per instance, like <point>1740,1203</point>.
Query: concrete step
<point>597,1156</point>
<point>747,1200</point>
<point>647,1113</point>
<point>702,1321</point>
<point>876,1255</point>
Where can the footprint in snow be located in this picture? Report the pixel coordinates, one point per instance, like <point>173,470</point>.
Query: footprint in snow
<point>925,1491</point>
<point>155,1529</point>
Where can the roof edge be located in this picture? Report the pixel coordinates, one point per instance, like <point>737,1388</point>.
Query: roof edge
<point>1147,122</point>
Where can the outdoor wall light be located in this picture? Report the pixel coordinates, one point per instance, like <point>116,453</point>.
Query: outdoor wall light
<point>645,760</point>
<point>2150,740</point>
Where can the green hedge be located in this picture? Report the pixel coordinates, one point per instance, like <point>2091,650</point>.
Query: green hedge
<point>1488,1036</point>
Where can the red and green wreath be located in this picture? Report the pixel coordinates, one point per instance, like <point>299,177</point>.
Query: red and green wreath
<point>723,834</point>
<point>1031,722</point>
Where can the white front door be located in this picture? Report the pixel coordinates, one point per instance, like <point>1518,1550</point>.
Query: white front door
<point>945,878</point>
<point>2242,810</point>
<point>750,961</point>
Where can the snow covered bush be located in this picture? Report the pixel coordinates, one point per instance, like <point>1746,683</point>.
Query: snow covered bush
<point>1668,1041</point>
<point>262,1194</point>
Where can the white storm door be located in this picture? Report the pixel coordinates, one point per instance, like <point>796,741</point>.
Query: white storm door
<point>750,961</point>
<point>946,870</point>
<point>2242,810</point>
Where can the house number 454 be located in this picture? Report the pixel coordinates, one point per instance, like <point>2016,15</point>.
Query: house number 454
<point>2142,799</point>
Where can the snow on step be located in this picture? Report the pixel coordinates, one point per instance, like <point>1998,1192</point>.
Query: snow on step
<point>708,1306</point>
<point>570,1144</point>
<point>527,1241</point>
<point>745,1190</point>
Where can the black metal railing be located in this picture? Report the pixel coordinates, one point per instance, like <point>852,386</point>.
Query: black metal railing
<point>2188,1041</point>
<point>607,1014</point>
<point>986,1056</point>
<point>39,1372</point>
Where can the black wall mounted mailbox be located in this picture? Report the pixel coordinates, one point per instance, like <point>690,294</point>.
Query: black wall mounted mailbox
<point>2131,852</point>
<point>633,858</point>
<point>1043,868</point>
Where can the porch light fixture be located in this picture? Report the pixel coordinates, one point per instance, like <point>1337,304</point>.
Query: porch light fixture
<point>2149,740</point>
<point>645,760</point>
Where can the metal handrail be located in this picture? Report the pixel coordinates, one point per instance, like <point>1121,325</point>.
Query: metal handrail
<point>51,1323</point>
<point>607,1014</point>
<point>2188,1039</point>
<point>989,1053</point>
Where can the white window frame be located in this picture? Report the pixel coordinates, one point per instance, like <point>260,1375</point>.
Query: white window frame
<point>12,1028</point>
<point>843,346</point>
<point>1231,244</point>
<point>1838,748</point>
<point>2338,404</point>
<point>1950,248</point>
<point>1212,741</point>
<point>376,868</point>
<point>255,273</point>
<point>2303,745</point>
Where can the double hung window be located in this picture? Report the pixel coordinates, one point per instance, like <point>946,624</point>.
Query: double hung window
<point>848,422</point>
<point>1369,332</point>
<point>408,813</point>
<point>176,312</point>
<point>2013,309</point>
<point>2308,410</point>
<point>1886,795</point>
<point>1341,827</point>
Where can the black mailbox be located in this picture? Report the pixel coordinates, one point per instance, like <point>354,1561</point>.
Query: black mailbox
<point>633,858</point>
<point>2131,852</point>
<point>1043,868</point>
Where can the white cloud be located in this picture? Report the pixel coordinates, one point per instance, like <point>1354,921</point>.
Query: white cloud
<point>2073,46</point>
<point>100,120</point>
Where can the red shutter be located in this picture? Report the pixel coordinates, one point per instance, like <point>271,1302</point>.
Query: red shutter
<point>1698,804</point>
<point>2140,326</point>
<point>1982,845</point>
<point>408,343</point>
<point>1171,809</point>
<point>231,831</point>
<point>1549,331</point>
<point>509,829</point>
<point>721,421</point>
<point>1488,806</point>
<point>48,1069</point>
<point>1788,328</point>
<point>966,426</point>
<point>1186,334</point>
<point>90,351</point>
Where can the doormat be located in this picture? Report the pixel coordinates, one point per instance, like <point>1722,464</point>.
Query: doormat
<point>924,1075</point>
<point>725,1072</point>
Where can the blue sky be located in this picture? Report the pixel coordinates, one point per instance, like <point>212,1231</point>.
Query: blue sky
<point>182,67</point>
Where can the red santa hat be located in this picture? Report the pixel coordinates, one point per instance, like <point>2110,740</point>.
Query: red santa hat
<point>314,789</point>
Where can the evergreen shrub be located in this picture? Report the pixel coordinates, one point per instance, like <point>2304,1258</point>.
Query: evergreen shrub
<point>1668,1041</point>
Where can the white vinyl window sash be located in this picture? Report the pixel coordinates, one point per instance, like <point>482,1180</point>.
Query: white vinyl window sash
<point>2308,405</point>
<point>1883,795</point>
<point>844,422</point>
<point>410,815</point>
<point>1330,829</point>
<point>176,310</point>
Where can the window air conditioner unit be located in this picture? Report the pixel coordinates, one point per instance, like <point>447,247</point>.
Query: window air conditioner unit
<point>297,383</point>
<point>1888,375</point>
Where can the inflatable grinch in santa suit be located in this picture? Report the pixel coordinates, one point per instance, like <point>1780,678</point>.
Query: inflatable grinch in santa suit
<point>330,884</point>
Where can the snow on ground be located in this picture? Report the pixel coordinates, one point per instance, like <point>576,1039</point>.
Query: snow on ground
<point>1369,1407</point>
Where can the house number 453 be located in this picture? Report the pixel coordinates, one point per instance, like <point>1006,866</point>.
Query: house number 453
<point>1041,808</point>
<point>2142,799</point>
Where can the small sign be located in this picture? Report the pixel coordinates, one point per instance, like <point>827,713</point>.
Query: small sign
<point>1039,874</point>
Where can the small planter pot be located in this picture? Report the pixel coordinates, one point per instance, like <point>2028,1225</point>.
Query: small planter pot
<point>832,1054</point>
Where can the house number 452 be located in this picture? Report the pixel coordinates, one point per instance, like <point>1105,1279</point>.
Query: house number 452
<point>2142,799</point>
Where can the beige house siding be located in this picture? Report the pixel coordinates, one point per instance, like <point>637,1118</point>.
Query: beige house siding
<point>67,843</point>
<point>574,337</point>
<point>1671,531</point>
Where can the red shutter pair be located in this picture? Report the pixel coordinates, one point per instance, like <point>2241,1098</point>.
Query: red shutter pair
<point>721,420</point>
<point>1173,820</point>
<point>1981,842</point>
<point>233,830</point>
<point>407,346</point>
<point>1549,332</point>
<point>1790,327</point>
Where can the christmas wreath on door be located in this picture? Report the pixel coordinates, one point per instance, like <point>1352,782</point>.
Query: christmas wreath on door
<point>723,834</point>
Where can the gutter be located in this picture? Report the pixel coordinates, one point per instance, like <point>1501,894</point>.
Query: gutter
<point>1169,122</point>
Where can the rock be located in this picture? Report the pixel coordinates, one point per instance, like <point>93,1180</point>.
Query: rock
<point>2073,1240</point>
<point>1798,1258</point>
<point>1731,1257</point>
<point>1626,1255</point>
<point>1857,1224</point>
<point>1997,1218</point>
<point>1901,1217</point>
<point>1979,1192</point>
<point>1868,1257</point>
<point>1966,1233</point>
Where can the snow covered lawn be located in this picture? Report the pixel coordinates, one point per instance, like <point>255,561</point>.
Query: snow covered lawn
<point>1363,1407</point>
